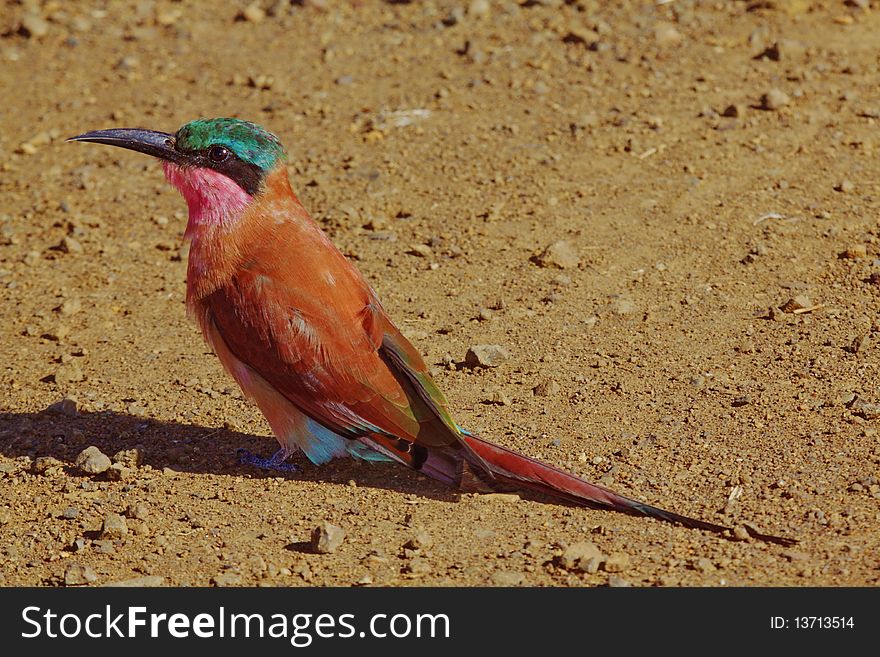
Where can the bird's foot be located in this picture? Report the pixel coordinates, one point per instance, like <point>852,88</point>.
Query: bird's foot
<point>275,462</point>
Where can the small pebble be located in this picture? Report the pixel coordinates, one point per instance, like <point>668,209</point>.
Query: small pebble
<point>70,245</point>
<point>499,398</point>
<point>560,255</point>
<point>65,406</point>
<point>130,458</point>
<point>113,527</point>
<point>68,373</point>
<point>479,8</point>
<point>226,579</point>
<point>76,575</point>
<point>867,410</point>
<point>774,99</point>
<point>139,582</point>
<point>622,306</point>
<point>618,582</point>
<point>92,461</point>
<point>327,538</point>
<point>583,557</point>
<point>34,26</point>
<point>508,578</point>
<point>790,49</point>
<point>253,13</point>
<point>417,567</point>
<point>666,34</point>
<point>118,472</point>
<point>546,388</point>
<point>500,497</point>
<point>58,334</point>
<point>47,466</point>
<point>740,533</point>
<point>795,555</point>
<point>138,511</point>
<point>704,565</point>
<point>486,355</point>
<point>845,187</point>
<point>799,302</point>
<point>734,111</point>
<point>616,562</point>
<point>71,306</point>
<point>421,541</point>
<point>855,252</point>
<point>421,250</point>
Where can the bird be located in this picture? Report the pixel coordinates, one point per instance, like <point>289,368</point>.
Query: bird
<point>304,335</point>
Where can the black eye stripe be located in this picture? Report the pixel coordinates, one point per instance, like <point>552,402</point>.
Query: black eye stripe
<point>248,176</point>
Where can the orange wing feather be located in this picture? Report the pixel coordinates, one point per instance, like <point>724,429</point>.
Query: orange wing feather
<point>291,307</point>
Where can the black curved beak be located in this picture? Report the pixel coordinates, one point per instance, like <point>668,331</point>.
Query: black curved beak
<point>151,142</point>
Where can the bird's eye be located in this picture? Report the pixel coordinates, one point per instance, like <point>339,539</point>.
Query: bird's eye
<point>218,154</point>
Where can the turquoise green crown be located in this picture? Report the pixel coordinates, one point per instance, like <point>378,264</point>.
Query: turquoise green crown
<point>249,142</point>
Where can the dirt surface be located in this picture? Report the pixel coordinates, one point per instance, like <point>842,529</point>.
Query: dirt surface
<point>705,338</point>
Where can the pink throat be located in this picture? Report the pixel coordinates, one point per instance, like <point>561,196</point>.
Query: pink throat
<point>214,200</point>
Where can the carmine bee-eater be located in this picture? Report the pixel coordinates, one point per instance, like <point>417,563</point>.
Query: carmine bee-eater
<point>304,335</point>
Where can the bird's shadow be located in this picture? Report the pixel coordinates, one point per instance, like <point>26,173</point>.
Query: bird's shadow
<point>187,448</point>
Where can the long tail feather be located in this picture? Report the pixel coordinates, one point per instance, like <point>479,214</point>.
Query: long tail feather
<point>519,471</point>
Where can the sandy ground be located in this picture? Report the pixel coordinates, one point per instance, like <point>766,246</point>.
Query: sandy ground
<point>706,338</point>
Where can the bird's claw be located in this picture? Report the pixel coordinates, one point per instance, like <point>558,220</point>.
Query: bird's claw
<point>275,462</point>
